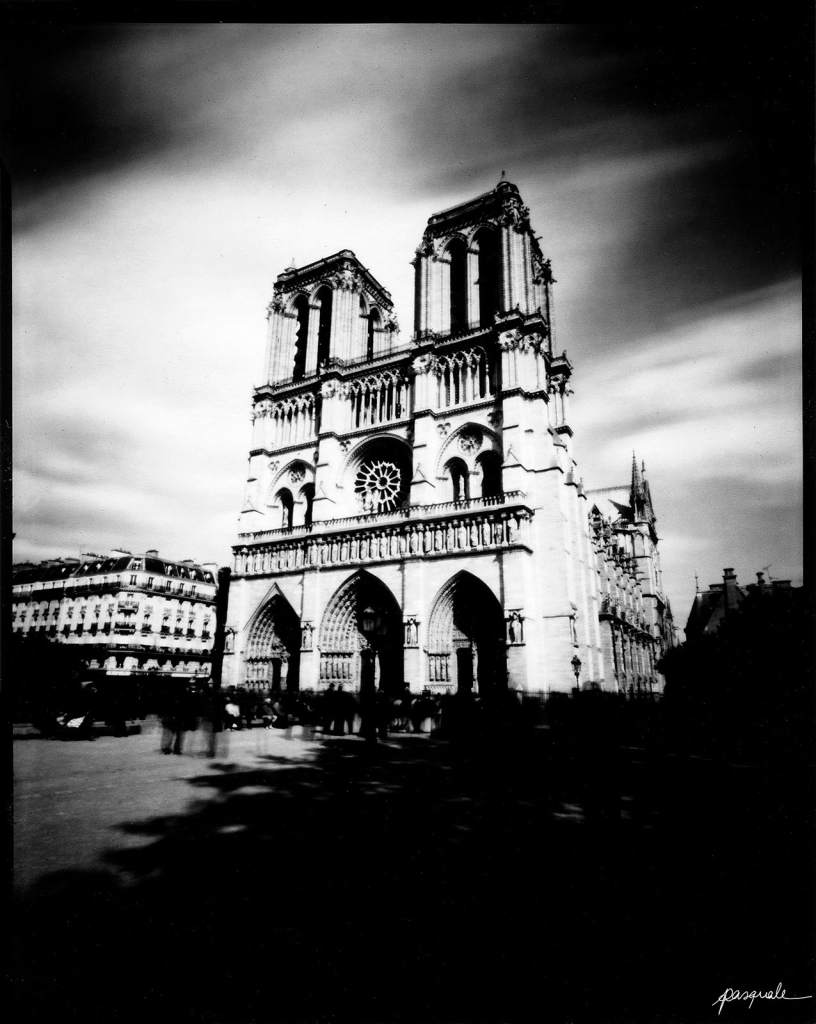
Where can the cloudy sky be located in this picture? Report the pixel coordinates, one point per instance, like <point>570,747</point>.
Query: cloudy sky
<point>163,175</point>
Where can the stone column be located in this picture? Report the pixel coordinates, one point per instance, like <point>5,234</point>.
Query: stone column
<point>441,295</point>
<point>345,309</point>
<point>473,308</point>
<point>506,266</point>
<point>311,339</point>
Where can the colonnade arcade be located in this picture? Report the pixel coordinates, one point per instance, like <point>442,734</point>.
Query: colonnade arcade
<point>363,636</point>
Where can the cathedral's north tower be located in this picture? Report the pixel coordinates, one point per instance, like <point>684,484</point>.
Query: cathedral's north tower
<point>413,513</point>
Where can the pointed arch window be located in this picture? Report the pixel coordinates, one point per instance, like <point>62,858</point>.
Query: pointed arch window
<point>308,496</point>
<point>373,323</point>
<point>287,504</point>
<point>490,464</point>
<point>489,275</point>
<point>302,307</point>
<point>324,296</point>
<point>458,285</point>
<point>460,480</point>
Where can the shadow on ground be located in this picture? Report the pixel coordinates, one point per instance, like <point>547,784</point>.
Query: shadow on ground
<point>426,882</point>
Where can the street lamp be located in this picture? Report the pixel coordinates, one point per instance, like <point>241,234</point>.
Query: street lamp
<point>370,625</point>
<point>576,668</point>
<point>370,621</point>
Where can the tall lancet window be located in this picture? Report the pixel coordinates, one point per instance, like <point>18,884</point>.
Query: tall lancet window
<point>301,335</point>
<point>458,285</point>
<point>489,275</point>
<point>287,506</point>
<point>490,464</point>
<point>324,297</point>
<point>373,322</point>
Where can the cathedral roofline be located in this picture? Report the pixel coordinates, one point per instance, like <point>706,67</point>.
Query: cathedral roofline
<point>503,188</point>
<point>291,276</point>
<point>504,192</point>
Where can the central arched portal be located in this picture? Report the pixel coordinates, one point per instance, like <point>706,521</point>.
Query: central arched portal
<point>361,637</point>
<point>273,648</point>
<point>466,647</point>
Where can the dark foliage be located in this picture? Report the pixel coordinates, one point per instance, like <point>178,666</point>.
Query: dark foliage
<point>746,691</point>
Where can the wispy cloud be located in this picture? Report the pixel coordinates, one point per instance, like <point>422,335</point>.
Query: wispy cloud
<point>164,175</point>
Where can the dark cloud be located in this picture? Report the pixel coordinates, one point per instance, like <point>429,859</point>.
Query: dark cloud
<point>731,93</point>
<point>769,369</point>
<point>84,99</point>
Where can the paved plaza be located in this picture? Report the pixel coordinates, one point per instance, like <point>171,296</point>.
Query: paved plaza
<point>313,879</point>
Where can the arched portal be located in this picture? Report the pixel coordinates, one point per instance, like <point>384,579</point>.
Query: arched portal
<point>273,647</point>
<point>466,647</point>
<point>361,636</point>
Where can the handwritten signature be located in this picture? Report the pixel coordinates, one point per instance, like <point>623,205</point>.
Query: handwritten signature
<point>733,995</point>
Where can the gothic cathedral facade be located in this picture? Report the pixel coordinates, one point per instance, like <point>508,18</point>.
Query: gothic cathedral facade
<point>413,515</point>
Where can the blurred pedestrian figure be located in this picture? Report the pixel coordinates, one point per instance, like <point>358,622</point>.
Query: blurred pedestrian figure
<point>267,713</point>
<point>247,704</point>
<point>327,705</point>
<point>339,711</point>
<point>232,714</point>
<point>116,711</point>
<point>172,719</point>
<point>78,723</point>
<point>279,716</point>
<point>215,715</point>
<point>382,713</point>
<point>350,711</point>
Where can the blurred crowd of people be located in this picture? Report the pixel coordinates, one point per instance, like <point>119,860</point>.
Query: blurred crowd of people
<point>335,711</point>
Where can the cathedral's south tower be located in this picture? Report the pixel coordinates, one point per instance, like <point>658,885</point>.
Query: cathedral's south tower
<point>413,515</point>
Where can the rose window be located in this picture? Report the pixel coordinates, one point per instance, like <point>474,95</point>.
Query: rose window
<point>379,485</point>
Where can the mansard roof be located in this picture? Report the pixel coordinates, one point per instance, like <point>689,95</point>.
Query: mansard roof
<point>53,570</point>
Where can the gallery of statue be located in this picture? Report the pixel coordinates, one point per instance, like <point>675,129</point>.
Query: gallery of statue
<point>413,515</point>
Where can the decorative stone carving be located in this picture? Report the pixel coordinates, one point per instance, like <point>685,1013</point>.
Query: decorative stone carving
<point>443,429</point>
<point>424,364</point>
<point>380,485</point>
<point>470,440</point>
<point>509,340</point>
<point>345,445</point>
<point>347,279</point>
<point>328,388</point>
<point>411,631</point>
<point>495,418</point>
<point>515,215</point>
<point>296,474</point>
<point>515,627</point>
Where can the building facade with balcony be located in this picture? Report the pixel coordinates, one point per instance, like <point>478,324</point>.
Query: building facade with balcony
<point>135,615</point>
<point>413,513</point>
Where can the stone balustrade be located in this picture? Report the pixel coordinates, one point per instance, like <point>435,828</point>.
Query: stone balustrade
<point>397,515</point>
<point>451,530</point>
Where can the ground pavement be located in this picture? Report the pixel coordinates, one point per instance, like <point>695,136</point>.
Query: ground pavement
<point>496,879</point>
